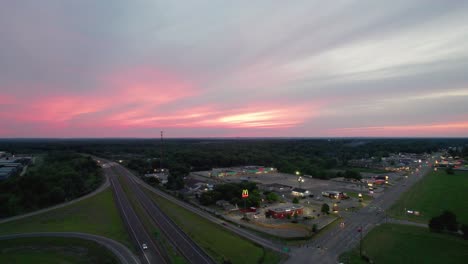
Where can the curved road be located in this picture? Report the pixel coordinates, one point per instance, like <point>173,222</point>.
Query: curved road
<point>124,255</point>
<point>101,188</point>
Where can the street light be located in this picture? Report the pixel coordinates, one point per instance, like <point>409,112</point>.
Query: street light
<point>300,180</point>
<point>297,173</point>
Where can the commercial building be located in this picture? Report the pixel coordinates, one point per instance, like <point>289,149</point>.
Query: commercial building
<point>275,187</point>
<point>283,212</point>
<point>298,192</point>
<point>335,195</point>
<point>237,171</point>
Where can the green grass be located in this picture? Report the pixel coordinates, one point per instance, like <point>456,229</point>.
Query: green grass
<point>95,215</point>
<point>215,240</point>
<point>53,250</point>
<point>432,195</point>
<point>391,243</point>
<point>162,242</point>
<point>365,197</point>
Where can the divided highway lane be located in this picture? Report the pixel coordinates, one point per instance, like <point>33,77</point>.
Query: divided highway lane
<point>124,255</point>
<point>135,228</point>
<point>189,249</point>
<point>233,228</point>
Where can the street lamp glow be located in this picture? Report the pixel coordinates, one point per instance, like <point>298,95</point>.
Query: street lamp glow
<point>297,172</point>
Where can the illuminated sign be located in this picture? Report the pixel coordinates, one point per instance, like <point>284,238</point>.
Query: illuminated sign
<point>245,193</point>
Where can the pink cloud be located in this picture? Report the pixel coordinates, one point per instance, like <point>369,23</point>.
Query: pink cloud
<point>138,98</point>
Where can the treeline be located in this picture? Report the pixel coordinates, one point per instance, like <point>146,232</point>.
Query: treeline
<point>231,192</point>
<point>60,177</point>
<point>314,157</point>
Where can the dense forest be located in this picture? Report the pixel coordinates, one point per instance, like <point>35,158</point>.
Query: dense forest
<point>58,177</point>
<point>309,156</point>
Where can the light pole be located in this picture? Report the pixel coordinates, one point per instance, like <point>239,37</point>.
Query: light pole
<point>300,180</point>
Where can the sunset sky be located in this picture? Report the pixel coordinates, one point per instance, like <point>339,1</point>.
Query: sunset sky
<point>307,68</point>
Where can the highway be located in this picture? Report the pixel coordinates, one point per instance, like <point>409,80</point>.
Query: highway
<point>328,246</point>
<point>124,255</point>
<point>183,243</point>
<point>135,228</point>
<point>233,228</point>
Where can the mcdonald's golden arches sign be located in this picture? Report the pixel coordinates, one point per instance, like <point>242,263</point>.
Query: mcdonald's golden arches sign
<point>245,193</point>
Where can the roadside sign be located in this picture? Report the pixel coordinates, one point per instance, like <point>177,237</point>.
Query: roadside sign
<point>245,193</point>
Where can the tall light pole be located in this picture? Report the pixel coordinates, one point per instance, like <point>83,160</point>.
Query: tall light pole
<point>300,180</point>
<point>161,156</point>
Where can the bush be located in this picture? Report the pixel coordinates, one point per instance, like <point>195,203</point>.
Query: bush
<point>447,220</point>
<point>464,229</point>
<point>314,228</point>
<point>325,208</point>
<point>295,200</point>
<point>449,171</point>
<point>435,224</point>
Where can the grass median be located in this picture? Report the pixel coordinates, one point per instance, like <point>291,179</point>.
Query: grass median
<point>162,242</point>
<point>54,250</point>
<point>95,215</point>
<point>215,240</point>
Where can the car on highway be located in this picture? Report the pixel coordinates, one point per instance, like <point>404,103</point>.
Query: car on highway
<point>144,246</point>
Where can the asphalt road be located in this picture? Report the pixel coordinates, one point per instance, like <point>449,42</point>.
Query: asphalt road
<point>124,255</point>
<point>327,247</point>
<point>134,226</point>
<point>184,244</point>
<point>233,228</point>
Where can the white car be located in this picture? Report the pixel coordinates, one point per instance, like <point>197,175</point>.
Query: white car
<point>144,246</point>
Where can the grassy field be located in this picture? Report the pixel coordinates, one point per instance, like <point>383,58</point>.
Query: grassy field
<point>96,215</point>
<point>53,250</point>
<point>218,242</point>
<point>390,243</point>
<point>438,191</point>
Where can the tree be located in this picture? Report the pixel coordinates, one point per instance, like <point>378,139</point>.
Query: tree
<point>351,174</point>
<point>153,181</point>
<point>464,229</point>
<point>272,197</point>
<point>449,171</point>
<point>325,208</point>
<point>435,224</point>
<point>449,220</point>
<point>295,200</point>
<point>314,228</point>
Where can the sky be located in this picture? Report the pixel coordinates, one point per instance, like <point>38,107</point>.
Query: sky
<point>233,68</point>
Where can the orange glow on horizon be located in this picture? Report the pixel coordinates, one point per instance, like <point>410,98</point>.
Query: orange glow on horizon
<point>408,130</point>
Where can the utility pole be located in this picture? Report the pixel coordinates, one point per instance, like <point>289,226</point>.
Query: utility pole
<point>161,156</point>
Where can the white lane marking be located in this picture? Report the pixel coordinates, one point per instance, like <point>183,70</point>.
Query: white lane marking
<point>176,229</point>
<point>128,222</point>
